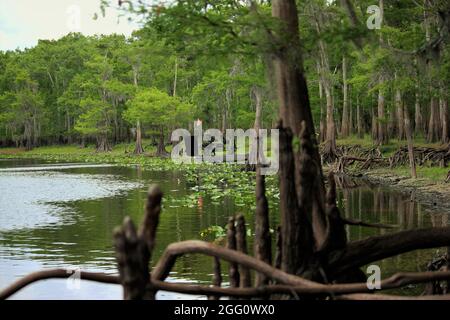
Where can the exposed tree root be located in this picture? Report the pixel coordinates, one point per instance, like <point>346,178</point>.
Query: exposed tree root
<point>348,290</point>
<point>362,252</point>
<point>423,156</point>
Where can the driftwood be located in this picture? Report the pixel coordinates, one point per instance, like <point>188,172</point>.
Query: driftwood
<point>372,158</point>
<point>422,155</point>
<point>365,158</point>
<point>365,163</point>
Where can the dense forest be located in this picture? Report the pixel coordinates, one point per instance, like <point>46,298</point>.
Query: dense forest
<point>109,89</point>
<point>320,71</point>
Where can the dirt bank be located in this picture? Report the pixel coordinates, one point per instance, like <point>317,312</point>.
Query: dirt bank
<point>435,196</point>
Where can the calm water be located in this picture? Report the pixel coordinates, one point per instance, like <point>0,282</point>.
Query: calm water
<point>63,215</point>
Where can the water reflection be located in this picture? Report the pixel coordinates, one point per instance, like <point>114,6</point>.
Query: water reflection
<point>85,240</point>
<point>379,204</point>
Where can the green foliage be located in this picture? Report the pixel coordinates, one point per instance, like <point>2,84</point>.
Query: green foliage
<point>155,107</point>
<point>202,59</point>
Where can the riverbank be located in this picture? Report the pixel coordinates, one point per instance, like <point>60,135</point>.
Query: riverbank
<point>426,190</point>
<point>429,188</point>
<point>214,180</point>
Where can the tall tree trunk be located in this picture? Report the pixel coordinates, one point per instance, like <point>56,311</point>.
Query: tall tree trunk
<point>392,123</point>
<point>434,131</point>
<point>262,243</point>
<point>382,134</point>
<point>28,135</point>
<point>345,130</point>
<point>445,138</point>
<point>374,126</point>
<point>138,148</point>
<point>255,153</point>
<point>322,127</point>
<point>161,150</point>
<point>295,114</point>
<point>175,80</point>
<point>329,153</point>
<point>400,115</point>
<point>408,133</point>
<point>359,119</point>
<point>381,131</point>
<point>351,122</point>
<point>102,143</point>
<point>419,127</point>
<point>330,139</point>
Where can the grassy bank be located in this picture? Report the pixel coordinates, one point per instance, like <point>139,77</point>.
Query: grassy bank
<point>213,180</point>
<point>122,154</point>
<point>434,175</point>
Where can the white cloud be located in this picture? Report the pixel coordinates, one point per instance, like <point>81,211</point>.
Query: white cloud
<point>24,22</point>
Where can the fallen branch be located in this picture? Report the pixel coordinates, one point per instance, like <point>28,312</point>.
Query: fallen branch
<point>362,252</point>
<point>368,224</point>
<point>395,281</point>
<point>174,250</point>
<point>55,274</point>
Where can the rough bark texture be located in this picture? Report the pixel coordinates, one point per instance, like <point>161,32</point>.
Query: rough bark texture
<point>382,137</point>
<point>434,132</point>
<point>359,125</point>
<point>345,127</point>
<point>161,149</point>
<point>374,130</point>
<point>296,234</point>
<point>359,253</point>
<point>400,115</point>
<point>408,132</point>
<point>241,243</point>
<point>445,118</point>
<point>263,248</point>
<point>217,278</point>
<point>103,144</point>
<point>138,148</point>
<point>418,121</point>
<point>233,271</point>
<point>134,249</point>
<point>294,110</point>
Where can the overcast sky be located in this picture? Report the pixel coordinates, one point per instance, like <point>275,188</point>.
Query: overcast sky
<point>24,22</point>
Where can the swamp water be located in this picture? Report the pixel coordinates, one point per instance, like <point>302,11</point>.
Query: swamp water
<point>62,215</point>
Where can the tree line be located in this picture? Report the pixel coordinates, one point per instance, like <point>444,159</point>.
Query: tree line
<point>200,60</point>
